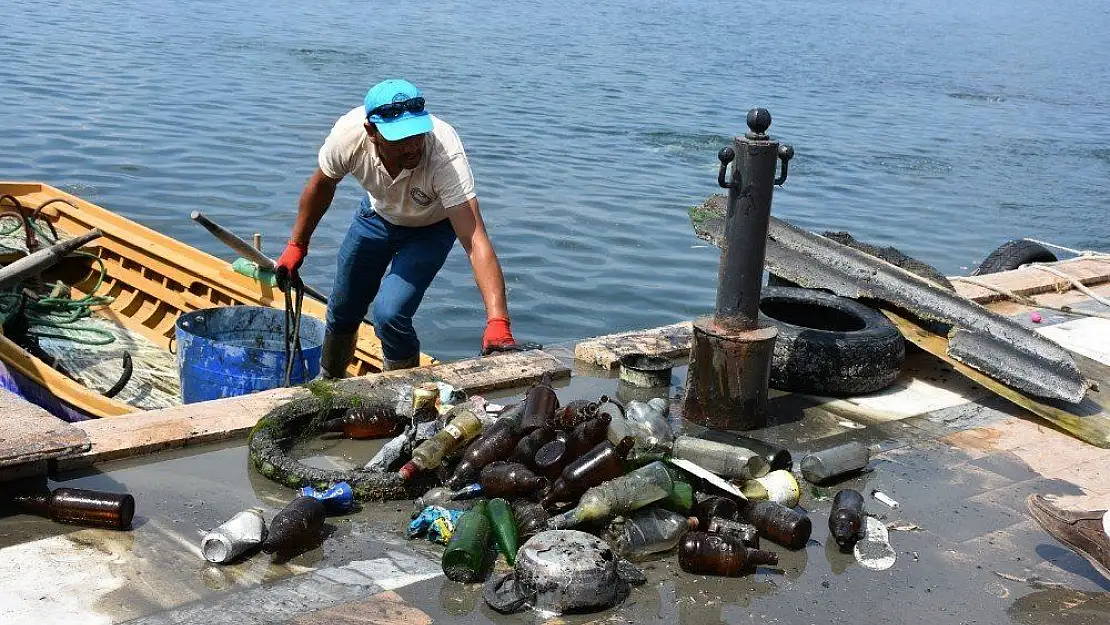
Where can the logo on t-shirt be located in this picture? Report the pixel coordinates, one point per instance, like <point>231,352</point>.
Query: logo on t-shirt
<point>417,194</point>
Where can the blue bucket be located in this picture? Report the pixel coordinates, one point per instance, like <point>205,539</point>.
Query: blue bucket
<point>236,350</point>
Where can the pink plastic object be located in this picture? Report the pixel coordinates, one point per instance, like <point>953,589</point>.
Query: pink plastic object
<point>1036,317</point>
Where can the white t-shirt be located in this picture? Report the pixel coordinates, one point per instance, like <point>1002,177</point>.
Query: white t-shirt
<point>417,197</point>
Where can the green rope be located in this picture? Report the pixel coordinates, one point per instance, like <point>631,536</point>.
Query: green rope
<point>59,313</point>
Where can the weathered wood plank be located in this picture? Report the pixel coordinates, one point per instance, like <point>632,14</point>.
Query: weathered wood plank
<point>1029,281</point>
<point>30,434</point>
<point>1088,421</point>
<point>671,341</point>
<point>148,432</point>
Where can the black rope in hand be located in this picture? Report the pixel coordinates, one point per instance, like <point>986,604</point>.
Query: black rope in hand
<point>293,288</point>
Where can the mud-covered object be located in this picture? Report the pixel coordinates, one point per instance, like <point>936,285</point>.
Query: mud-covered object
<point>893,256</point>
<point>561,571</point>
<point>276,433</point>
<point>829,345</point>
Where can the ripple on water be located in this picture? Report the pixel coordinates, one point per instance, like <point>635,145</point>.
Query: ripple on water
<point>589,137</point>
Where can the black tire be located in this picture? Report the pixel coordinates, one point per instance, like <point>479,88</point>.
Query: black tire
<point>829,345</point>
<point>1014,254</point>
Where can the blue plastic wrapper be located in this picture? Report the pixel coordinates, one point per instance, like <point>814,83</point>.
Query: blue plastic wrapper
<point>338,499</point>
<point>436,523</point>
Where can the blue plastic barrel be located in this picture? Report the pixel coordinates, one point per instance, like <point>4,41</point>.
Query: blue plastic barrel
<point>236,350</point>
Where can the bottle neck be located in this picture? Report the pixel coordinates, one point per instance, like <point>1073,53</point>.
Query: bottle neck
<point>35,503</point>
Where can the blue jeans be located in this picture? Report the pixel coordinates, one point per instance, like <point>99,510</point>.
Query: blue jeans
<point>413,257</point>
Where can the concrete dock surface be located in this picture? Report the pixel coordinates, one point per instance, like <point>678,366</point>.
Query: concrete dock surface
<point>967,552</point>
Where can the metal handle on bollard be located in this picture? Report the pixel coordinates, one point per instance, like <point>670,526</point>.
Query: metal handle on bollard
<point>786,152</point>
<point>726,156</point>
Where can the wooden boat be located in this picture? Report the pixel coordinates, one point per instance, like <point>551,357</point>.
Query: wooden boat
<point>151,279</point>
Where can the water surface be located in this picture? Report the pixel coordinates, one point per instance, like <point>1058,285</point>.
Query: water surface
<point>943,128</point>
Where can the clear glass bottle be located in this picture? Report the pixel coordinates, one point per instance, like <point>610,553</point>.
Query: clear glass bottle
<point>429,454</point>
<point>727,461</point>
<point>647,531</point>
<point>621,495</point>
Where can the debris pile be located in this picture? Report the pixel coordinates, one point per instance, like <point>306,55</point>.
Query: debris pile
<point>570,495</point>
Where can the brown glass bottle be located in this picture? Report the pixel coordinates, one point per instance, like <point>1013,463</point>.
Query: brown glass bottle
<point>297,525</point>
<point>586,435</point>
<point>496,443</point>
<point>576,411</point>
<point>539,405</point>
<point>509,480</point>
<point>735,530</point>
<point>711,554</point>
<point>551,458</point>
<point>531,518</point>
<point>846,518</point>
<point>526,448</point>
<point>378,421</point>
<point>602,463</point>
<point>78,506</point>
<point>714,506</point>
<point>778,523</point>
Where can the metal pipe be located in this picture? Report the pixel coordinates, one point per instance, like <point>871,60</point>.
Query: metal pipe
<point>34,264</point>
<point>246,250</point>
<point>749,210</point>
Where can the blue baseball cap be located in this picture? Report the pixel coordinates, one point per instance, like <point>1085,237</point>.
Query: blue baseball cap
<point>405,125</point>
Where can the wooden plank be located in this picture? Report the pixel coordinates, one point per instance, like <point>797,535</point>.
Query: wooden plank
<point>1088,421</point>
<point>671,341</point>
<point>1029,281</point>
<point>30,434</point>
<point>144,433</point>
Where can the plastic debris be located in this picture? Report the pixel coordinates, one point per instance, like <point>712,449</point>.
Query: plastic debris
<point>436,523</point>
<point>339,499</point>
<point>1036,317</point>
<point>778,486</point>
<point>873,551</point>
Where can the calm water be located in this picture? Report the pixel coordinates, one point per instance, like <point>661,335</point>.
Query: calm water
<point>944,128</point>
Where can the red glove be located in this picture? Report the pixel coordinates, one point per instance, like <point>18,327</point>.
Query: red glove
<point>497,335</point>
<point>292,258</point>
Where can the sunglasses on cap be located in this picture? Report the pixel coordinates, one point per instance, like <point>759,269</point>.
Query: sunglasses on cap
<point>396,109</point>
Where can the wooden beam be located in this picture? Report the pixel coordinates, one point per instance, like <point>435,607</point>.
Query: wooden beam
<point>1088,421</point>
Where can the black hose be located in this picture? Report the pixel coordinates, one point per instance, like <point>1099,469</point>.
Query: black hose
<point>128,368</point>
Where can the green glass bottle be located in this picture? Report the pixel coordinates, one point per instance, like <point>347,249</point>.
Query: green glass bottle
<point>504,528</point>
<point>681,499</point>
<point>465,554</point>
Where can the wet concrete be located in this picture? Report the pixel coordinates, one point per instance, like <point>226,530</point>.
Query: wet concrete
<point>976,557</point>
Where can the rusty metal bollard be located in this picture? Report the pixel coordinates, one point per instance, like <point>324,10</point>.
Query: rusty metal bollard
<point>730,359</point>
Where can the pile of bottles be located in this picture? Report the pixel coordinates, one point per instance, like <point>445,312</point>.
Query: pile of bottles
<point>616,470</point>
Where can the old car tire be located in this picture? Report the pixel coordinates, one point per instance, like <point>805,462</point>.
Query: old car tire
<point>829,345</point>
<point>1014,254</point>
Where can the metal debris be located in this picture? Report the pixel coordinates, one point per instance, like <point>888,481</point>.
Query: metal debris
<point>995,345</point>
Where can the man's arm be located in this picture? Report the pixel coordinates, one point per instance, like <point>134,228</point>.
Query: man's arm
<point>467,222</point>
<point>315,200</point>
